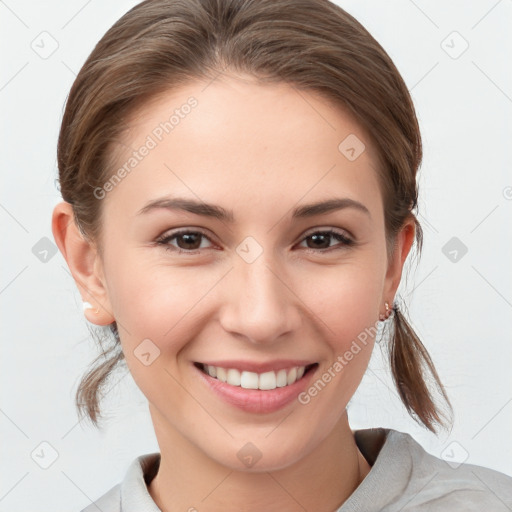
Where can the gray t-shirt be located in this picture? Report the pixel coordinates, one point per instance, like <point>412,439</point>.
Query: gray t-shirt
<point>403,477</point>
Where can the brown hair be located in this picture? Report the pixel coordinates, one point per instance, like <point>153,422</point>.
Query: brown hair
<point>311,44</point>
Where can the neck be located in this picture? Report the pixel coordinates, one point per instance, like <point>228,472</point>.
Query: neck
<point>323,480</point>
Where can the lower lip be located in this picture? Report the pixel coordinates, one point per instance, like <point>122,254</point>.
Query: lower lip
<point>257,400</point>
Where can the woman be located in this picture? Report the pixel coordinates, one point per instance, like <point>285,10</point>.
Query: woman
<point>239,180</point>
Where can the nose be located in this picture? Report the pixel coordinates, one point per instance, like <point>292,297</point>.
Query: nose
<point>260,305</point>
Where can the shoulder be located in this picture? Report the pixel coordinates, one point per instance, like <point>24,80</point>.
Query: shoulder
<point>109,502</point>
<point>132,492</point>
<point>435,482</point>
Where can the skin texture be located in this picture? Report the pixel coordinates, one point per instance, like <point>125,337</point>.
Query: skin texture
<point>260,151</point>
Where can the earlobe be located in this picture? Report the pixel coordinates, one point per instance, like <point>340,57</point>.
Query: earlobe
<point>83,262</point>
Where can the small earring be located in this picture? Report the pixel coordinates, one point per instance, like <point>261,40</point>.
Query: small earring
<point>87,305</point>
<point>385,316</point>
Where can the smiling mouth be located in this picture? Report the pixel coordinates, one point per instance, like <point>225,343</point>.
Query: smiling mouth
<point>250,380</point>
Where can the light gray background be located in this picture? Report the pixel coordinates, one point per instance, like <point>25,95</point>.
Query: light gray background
<point>461,309</point>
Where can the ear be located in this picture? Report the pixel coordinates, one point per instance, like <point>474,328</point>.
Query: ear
<point>84,263</point>
<point>404,240</point>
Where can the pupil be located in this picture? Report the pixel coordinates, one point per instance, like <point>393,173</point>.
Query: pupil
<point>316,237</point>
<point>189,239</point>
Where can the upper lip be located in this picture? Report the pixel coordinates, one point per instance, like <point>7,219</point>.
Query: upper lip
<point>261,367</point>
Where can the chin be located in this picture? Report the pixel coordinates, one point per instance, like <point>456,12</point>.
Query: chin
<point>259,456</point>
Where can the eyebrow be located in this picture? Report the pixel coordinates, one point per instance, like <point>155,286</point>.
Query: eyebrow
<point>217,212</point>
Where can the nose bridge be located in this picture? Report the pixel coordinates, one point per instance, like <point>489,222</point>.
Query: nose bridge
<point>259,306</point>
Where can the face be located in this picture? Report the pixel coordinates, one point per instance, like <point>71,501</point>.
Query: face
<point>269,283</point>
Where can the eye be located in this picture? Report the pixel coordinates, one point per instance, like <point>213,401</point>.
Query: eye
<point>320,240</point>
<point>190,242</point>
<point>187,241</point>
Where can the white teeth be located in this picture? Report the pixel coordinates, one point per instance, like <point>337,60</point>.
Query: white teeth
<point>248,380</point>
<point>268,380</point>
<point>221,374</point>
<point>251,380</point>
<point>281,380</point>
<point>234,377</point>
<point>292,376</point>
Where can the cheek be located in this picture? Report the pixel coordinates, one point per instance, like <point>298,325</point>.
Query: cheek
<point>346,300</point>
<point>156,310</point>
<point>155,302</point>
<point>348,310</point>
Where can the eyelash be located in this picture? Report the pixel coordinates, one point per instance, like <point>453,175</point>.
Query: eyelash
<point>164,241</point>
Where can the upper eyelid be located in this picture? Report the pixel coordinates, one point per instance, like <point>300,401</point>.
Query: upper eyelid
<point>340,231</point>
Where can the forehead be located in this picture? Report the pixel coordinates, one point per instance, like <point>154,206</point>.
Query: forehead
<point>236,139</point>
